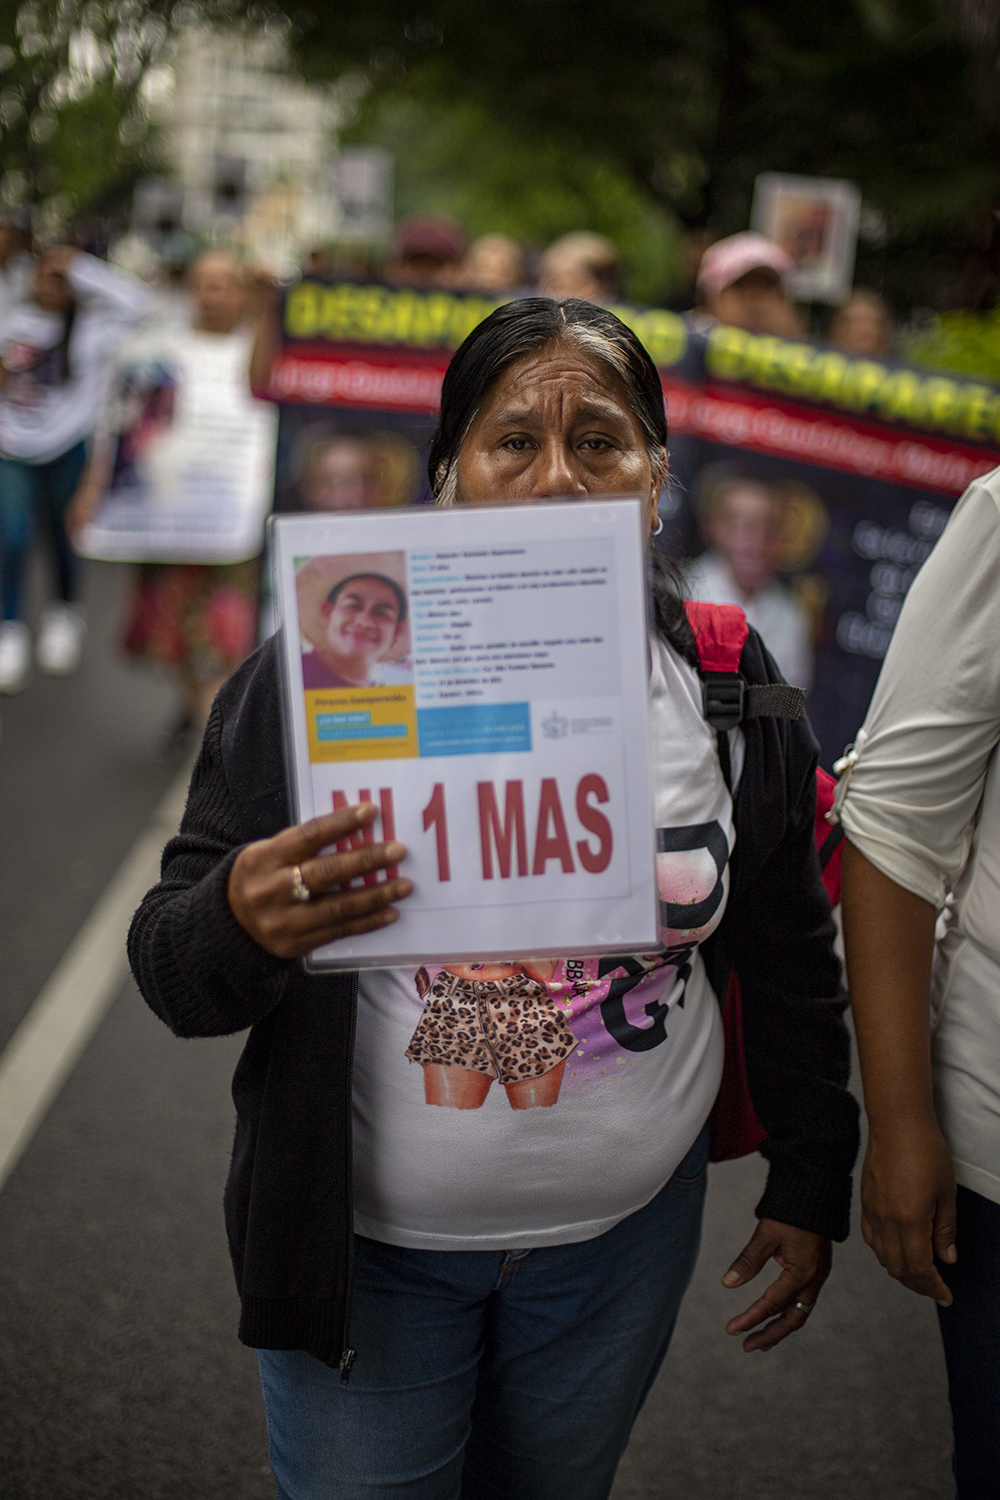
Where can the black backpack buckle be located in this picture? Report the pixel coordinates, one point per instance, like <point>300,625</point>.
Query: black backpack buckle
<point>722,699</point>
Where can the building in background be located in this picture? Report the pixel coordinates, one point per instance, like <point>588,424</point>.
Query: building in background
<point>252,156</point>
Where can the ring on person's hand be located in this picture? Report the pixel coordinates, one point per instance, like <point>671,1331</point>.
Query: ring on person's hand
<point>805,1307</point>
<point>300,891</point>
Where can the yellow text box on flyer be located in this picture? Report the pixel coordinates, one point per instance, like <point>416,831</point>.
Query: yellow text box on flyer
<point>376,723</point>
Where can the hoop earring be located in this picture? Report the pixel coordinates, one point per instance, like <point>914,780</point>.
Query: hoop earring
<point>658,527</point>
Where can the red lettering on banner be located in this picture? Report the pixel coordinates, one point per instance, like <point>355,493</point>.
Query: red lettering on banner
<point>505,835</point>
<point>596,823</point>
<point>554,845</point>
<point>388,825</point>
<point>764,424</point>
<point>436,815</point>
<point>355,382</point>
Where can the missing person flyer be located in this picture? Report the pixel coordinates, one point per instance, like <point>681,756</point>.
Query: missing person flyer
<point>480,674</point>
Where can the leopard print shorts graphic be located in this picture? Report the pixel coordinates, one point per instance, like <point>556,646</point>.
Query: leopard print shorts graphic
<point>538,1026</point>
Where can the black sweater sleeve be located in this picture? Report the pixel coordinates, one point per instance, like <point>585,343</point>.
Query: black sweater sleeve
<point>194,964</point>
<point>796,1044</point>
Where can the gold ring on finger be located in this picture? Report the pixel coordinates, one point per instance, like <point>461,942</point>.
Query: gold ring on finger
<point>300,891</point>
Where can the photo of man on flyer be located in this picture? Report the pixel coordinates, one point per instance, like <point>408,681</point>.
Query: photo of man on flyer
<point>353,615</point>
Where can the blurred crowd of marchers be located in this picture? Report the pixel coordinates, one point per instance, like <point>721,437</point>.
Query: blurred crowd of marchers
<point>740,280</point>
<point>67,310</point>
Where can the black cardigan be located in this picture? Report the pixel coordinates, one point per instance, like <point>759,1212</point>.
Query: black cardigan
<point>288,1199</point>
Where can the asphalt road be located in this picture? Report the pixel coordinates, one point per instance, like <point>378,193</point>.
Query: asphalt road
<point>120,1374</point>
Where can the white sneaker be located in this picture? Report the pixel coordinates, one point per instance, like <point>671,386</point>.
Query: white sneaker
<point>60,640</point>
<point>15,655</point>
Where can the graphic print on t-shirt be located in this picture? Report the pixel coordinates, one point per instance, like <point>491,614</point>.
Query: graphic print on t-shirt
<point>537,1026</point>
<point>564,1091</point>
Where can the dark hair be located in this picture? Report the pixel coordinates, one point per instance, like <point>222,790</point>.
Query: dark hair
<point>53,368</point>
<point>331,597</point>
<point>519,328</point>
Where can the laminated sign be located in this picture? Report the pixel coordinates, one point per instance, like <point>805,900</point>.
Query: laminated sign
<point>480,674</point>
<point>188,453</point>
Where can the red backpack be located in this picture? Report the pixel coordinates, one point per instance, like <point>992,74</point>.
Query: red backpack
<point>720,632</point>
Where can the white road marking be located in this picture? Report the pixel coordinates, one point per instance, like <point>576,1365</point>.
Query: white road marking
<point>49,1041</point>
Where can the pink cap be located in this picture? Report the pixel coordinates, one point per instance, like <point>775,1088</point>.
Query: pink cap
<point>729,259</point>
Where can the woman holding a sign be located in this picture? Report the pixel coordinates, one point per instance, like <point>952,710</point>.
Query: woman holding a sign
<point>479,1185</point>
<point>180,482</point>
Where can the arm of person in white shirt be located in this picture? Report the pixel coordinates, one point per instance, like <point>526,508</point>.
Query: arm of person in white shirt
<point>909,812</point>
<point>123,299</point>
<point>267,338</point>
<point>93,483</point>
<point>907,1182</point>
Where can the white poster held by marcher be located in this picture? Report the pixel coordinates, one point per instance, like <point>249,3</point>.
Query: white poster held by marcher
<point>480,674</point>
<point>190,454</point>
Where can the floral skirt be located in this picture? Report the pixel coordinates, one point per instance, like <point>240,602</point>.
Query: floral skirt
<point>508,1028</point>
<point>198,619</point>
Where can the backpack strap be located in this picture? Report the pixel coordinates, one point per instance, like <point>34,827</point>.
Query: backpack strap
<point>720,633</point>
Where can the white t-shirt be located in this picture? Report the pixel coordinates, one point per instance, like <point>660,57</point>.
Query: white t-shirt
<point>590,1078</point>
<point>922,803</point>
<point>40,420</point>
<point>773,611</point>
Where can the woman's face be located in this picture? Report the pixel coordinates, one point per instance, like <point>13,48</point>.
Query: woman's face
<point>220,293</point>
<point>557,422</point>
<point>339,478</point>
<point>746,529</point>
<point>363,621</point>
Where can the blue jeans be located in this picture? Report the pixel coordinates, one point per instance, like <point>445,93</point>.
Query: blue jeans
<point>970,1328</point>
<point>25,491</point>
<point>490,1375</point>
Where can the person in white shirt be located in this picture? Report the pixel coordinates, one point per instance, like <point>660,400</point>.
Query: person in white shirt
<point>198,620</point>
<point>55,352</point>
<point>740,519</point>
<point>921,809</point>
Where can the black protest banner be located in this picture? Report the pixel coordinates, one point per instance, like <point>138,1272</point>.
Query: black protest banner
<point>869,456</point>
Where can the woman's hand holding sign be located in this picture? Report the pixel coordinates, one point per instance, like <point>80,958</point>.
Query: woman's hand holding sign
<point>291,899</point>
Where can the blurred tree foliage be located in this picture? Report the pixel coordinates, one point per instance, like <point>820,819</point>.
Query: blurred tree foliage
<point>456,159</point>
<point>624,117</point>
<point>691,99</point>
<point>74,129</point>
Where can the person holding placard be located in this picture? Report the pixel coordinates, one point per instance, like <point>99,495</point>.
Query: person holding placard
<point>478,1186</point>
<point>188,434</point>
